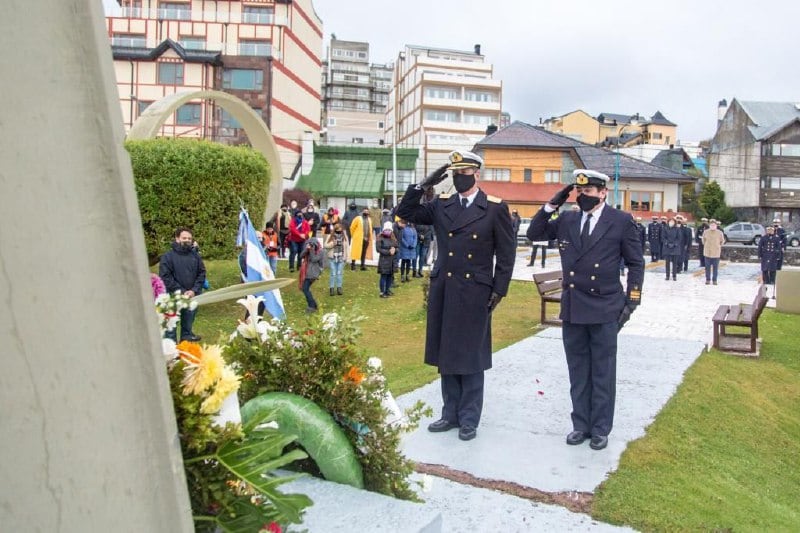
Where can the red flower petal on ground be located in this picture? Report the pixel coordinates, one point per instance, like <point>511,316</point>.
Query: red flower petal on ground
<point>541,392</point>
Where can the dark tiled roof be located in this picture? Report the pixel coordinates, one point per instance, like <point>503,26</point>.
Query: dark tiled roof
<point>521,135</point>
<point>661,120</point>
<point>613,118</point>
<point>151,54</point>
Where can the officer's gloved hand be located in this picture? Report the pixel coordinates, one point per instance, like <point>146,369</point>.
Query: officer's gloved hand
<point>626,313</point>
<point>494,299</point>
<point>561,196</point>
<point>434,178</point>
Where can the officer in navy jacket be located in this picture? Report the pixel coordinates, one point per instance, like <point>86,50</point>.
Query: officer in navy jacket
<point>654,238</point>
<point>471,274</point>
<point>594,306</point>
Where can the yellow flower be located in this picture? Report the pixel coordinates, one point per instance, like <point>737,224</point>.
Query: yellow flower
<point>201,373</point>
<point>228,384</point>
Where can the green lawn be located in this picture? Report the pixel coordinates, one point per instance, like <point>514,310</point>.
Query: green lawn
<point>724,453</point>
<point>393,329</point>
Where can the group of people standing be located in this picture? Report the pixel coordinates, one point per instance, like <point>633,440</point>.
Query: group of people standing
<point>670,240</point>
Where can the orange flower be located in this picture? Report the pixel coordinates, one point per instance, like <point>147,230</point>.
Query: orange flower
<point>190,352</point>
<point>354,375</point>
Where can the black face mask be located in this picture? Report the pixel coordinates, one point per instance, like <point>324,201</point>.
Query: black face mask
<point>185,246</point>
<point>463,182</point>
<point>587,203</point>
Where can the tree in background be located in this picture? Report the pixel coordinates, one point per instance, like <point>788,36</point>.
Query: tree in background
<point>712,201</point>
<point>199,184</point>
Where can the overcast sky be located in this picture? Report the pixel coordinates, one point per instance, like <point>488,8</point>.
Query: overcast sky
<point>627,56</point>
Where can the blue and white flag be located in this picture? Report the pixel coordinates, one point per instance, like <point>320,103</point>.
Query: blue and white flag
<point>256,267</point>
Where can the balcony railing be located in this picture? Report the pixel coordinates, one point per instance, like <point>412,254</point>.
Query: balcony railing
<point>129,42</point>
<point>195,15</point>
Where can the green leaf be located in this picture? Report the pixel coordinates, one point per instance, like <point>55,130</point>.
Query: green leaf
<point>247,518</point>
<point>260,452</point>
<point>240,291</point>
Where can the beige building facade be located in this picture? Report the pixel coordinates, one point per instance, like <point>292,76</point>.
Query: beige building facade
<point>441,100</point>
<point>610,129</point>
<point>266,52</point>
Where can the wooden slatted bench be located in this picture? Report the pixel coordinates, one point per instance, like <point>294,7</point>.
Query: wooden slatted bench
<point>549,286</point>
<point>743,315</point>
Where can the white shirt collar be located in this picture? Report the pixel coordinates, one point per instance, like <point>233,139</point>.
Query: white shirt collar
<point>595,214</point>
<point>470,198</point>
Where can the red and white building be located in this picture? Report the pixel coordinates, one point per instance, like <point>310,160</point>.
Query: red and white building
<point>266,52</point>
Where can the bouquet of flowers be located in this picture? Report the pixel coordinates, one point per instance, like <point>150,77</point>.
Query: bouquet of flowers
<point>169,306</point>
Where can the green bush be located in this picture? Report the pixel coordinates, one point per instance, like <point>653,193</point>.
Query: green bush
<point>199,184</point>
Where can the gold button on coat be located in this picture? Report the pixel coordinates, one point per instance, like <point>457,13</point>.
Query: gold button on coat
<point>597,265</point>
<point>469,256</point>
<point>594,277</point>
<point>474,235</point>
<point>467,276</point>
<point>450,234</point>
<point>449,274</point>
<point>450,254</point>
<point>572,273</point>
<point>571,285</point>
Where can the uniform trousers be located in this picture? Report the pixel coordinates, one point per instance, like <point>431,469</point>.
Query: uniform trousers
<point>463,398</point>
<point>591,351</point>
<point>655,246</point>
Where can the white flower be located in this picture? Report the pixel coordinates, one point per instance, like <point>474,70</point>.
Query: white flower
<point>251,304</point>
<point>329,321</point>
<point>374,362</point>
<point>172,322</point>
<point>296,344</point>
<point>169,348</point>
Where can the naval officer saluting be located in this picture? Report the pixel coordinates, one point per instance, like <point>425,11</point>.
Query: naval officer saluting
<point>594,306</point>
<point>471,275</point>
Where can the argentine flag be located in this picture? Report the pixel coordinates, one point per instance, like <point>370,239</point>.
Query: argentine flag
<point>257,266</point>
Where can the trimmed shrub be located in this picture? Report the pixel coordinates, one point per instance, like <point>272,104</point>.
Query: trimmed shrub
<point>199,184</point>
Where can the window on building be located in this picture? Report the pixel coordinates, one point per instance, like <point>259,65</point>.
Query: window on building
<point>243,79</point>
<point>784,182</point>
<point>170,73</point>
<point>446,93</point>
<point>129,40</point>
<point>645,201</point>
<point>255,48</point>
<point>190,42</point>
<point>380,125</point>
<point>527,175</point>
<point>552,176</point>
<point>482,120</point>
<point>496,174</point>
<point>175,10</point>
<point>656,136</point>
<point>787,150</point>
<point>258,14</point>
<point>441,116</point>
<point>358,140</point>
<point>331,121</point>
<point>133,9</point>
<point>188,115</point>
<point>479,96</point>
<point>141,105</point>
<point>404,179</point>
<point>362,55</point>
<point>226,120</point>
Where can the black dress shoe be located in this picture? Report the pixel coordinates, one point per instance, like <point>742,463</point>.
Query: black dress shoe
<point>191,338</point>
<point>598,442</point>
<point>467,433</point>
<point>577,437</point>
<point>441,425</point>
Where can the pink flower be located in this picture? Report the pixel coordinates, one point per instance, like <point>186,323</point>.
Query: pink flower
<point>272,527</point>
<point>157,285</point>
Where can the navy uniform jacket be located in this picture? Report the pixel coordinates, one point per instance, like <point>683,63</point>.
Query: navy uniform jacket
<point>770,250</point>
<point>459,329</point>
<point>592,291</point>
<point>642,233</point>
<point>654,233</point>
<point>687,237</point>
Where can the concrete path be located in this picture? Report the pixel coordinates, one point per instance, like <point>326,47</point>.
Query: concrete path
<point>527,406</point>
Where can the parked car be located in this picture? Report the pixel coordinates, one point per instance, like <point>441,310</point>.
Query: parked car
<point>793,239</point>
<point>523,230</point>
<point>746,232</point>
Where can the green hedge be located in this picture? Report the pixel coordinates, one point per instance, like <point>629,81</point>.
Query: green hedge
<point>184,182</point>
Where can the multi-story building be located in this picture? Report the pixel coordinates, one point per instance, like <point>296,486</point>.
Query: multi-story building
<point>355,94</point>
<point>441,100</point>
<point>266,52</point>
<point>755,158</point>
<point>611,129</point>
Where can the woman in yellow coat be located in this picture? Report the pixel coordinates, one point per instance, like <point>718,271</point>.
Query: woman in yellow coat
<point>361,239</point>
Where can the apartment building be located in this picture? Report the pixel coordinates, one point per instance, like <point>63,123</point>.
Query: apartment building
<point>266,52</point>
<point>355,94</point>
<point>612,129</point>
<point>441,100</point>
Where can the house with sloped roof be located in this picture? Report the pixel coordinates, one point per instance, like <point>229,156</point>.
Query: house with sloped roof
<point>614,129</point>
<point>526,165</point>
<point>755,158</point>
<point>344,174</point>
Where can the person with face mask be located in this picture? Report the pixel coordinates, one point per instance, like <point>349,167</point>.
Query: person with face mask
<point>298,233</point>
<point>281,221</point>
<point>182,269</point>
<point>338,247</point>
<point>770,252</point>
<point>594,305</point>
<point>471,275</point>
<point>781,233</point>
<point>713,239</point>
<point>361,241</point>
<point>312,217</point>
<point>386,245</point>
<point>672,248</point>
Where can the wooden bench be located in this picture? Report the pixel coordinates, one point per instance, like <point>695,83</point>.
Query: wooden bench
<point>743,315</point>
<point>549,286</point>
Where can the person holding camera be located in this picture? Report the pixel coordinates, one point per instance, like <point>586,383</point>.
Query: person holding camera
<point>594,306</point>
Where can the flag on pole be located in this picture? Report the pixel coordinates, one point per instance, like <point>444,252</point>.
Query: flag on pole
<point>256,267</point>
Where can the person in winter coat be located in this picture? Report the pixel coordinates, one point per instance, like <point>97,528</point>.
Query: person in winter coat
<point>386,245</point>
<point>182,269</point>
<point>770,251</point>
<point>672,247</point>
<point>281,223</point>
<point>361,239</point>
<point>338,249</point>
<point>299,230</point>
<point>329,220</point>
<point>713,239</point>
<point>424,238</point>
<point>408,248</point>
<point>269,240</point>
<point>314,258</point>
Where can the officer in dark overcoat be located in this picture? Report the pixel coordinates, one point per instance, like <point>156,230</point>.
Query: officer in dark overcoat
<point>594,305</point>
<point>654,238</point>
<point>770,252</point>
<point>698,237</point>
<point>471,274</point>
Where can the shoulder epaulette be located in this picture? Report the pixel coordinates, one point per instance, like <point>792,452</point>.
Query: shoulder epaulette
<point>494,199</point>
<point>444,196</point>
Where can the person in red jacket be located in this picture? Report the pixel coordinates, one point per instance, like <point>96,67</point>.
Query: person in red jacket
<point>299,230</point>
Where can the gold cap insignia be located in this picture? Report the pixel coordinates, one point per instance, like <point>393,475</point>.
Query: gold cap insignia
<point>582,179</point>
<point>456,157</point>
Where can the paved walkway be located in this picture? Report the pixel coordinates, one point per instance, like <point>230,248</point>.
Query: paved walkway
<point>527,405</point>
